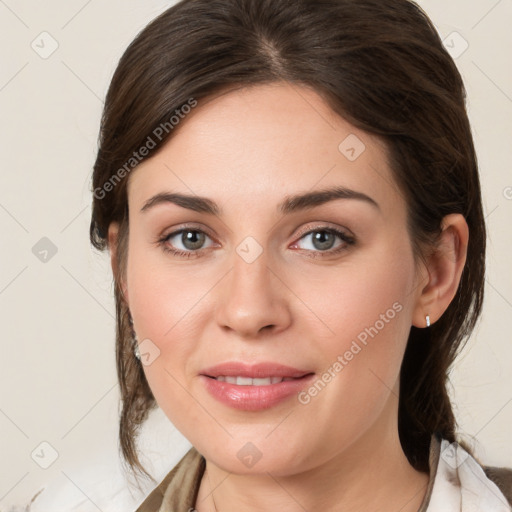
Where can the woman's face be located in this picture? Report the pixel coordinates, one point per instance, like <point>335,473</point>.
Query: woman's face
<point>266,282</point>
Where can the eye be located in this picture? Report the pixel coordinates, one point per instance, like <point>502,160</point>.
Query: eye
<point>323,239</point>
<point>192,241</point>
<point>189,242</point>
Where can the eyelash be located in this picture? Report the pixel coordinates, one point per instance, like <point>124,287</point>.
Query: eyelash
<point>348,241</point>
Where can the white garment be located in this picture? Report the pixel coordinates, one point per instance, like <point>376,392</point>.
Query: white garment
<point>461,484</point>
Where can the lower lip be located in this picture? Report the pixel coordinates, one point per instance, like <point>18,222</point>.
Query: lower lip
<point>254,398</point>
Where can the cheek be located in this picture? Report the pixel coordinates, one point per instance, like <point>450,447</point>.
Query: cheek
<point>163,298</point>
<point>365,310</point>
<point>171,304</point>
<point>165,311</point>
<point>162,304</point>
<point>368,309</point>
<point>364,294</point>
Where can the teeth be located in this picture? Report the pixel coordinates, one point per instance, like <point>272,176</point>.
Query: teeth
<point>248,381</point>
<point>263,382</point>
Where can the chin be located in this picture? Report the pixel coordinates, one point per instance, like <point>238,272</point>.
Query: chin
<point>257,457</point>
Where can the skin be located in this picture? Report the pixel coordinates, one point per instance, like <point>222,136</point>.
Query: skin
<point>248,150</point>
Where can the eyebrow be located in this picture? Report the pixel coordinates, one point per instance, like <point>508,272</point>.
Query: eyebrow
<point>290,204</point>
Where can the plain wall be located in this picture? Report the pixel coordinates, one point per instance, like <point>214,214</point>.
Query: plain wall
<point>57,367</point>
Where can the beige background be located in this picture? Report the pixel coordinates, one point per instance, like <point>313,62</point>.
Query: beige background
<point>57,373</point>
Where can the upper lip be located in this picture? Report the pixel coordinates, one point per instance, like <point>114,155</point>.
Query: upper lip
<point>254,370</point>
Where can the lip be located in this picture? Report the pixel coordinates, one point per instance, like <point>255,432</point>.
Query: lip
<point>254,398</point>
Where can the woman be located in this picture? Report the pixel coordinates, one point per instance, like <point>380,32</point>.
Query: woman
<point>290,196</point>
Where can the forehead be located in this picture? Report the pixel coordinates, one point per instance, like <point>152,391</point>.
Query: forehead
<point>257,144</point>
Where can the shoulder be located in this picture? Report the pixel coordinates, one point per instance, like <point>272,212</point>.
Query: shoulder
<point>502,477</point>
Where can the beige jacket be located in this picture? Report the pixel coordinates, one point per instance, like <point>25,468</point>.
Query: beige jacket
<point>178,490</point>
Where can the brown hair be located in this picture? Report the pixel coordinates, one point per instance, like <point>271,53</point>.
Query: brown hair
<point>379,64</point>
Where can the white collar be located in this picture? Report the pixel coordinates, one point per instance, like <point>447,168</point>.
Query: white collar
<point>460,483</point>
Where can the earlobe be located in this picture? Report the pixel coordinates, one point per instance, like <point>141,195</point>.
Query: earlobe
<point>444,265</point>
<point>113,232</point>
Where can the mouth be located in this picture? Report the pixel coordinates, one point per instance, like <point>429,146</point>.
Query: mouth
<point>243,371</point>
<point>254,387</point>
<point>248,381</point>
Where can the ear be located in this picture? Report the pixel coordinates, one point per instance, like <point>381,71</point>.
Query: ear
<point>444,268</point>
<point>113,239</point>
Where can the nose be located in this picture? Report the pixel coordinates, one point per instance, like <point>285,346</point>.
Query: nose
<point>254,299</point>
